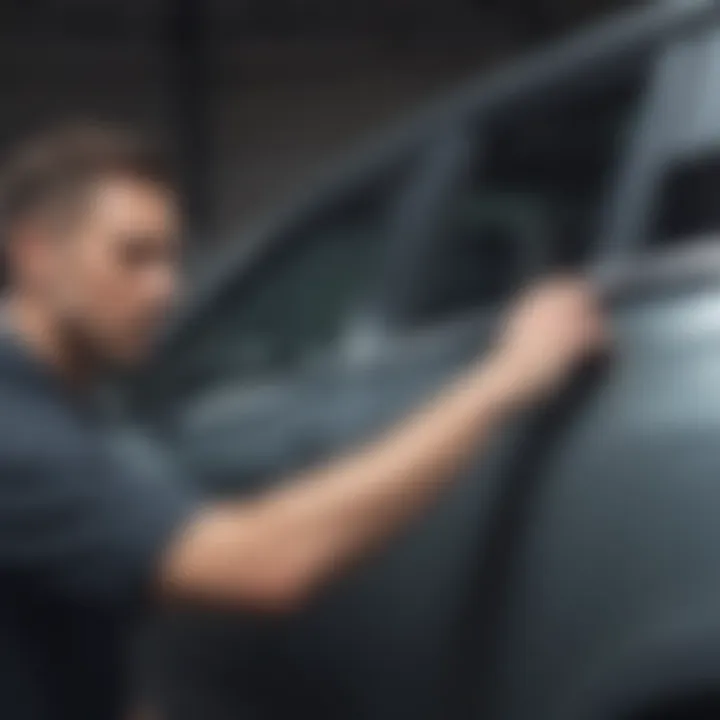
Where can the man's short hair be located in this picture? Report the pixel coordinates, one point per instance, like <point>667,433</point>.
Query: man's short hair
<point>50,170</point>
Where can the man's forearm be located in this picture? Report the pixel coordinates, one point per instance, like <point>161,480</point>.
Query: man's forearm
<point>273,552</point>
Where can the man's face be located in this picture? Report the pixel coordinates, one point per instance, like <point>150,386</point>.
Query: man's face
<point>112,277</point>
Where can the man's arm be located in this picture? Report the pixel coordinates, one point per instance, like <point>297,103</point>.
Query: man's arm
<point>87,528</point>
<point>272,553</point>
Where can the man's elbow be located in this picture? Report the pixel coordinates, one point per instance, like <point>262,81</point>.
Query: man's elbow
<point>278,593</point>
<point>216,564</point>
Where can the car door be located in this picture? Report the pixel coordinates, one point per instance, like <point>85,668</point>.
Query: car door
<point>505,190</point>
<point>611,602</point>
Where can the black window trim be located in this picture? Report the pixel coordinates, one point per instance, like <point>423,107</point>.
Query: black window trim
<point>633,195</point>
<point>414,229</point>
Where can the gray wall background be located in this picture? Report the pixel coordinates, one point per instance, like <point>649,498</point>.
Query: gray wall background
<point>290,84</point>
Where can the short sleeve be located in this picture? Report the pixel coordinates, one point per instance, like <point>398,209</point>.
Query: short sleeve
<point>78,521</point>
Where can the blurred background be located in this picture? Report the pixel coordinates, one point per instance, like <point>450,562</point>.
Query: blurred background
<point>255,95</point>
<point>617,542</point>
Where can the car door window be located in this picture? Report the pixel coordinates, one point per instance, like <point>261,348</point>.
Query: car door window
<point>532,199</point>
<point>295,301</point>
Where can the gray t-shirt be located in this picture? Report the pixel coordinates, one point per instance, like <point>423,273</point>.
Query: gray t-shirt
<point>80,536</point>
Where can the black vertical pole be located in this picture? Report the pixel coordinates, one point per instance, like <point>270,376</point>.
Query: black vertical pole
<point>189,54</point>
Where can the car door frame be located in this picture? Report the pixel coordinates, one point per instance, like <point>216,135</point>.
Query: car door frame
<point>578,60</point>
<point>653,37</point>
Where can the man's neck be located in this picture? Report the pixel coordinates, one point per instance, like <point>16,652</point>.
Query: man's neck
<point>44,336</point>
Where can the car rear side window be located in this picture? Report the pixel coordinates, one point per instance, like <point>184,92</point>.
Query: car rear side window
<point>533,199</point>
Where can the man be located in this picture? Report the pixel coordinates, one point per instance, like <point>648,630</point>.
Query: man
<point>90,224</point>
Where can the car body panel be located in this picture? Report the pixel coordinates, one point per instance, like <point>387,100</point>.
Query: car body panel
<point>620,545</point>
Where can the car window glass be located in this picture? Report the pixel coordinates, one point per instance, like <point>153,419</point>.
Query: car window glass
<point>686,204</point>
<point>534,198</point>
<point>296,300</point>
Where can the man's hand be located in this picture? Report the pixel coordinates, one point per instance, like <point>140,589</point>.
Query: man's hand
<point>551,329</point>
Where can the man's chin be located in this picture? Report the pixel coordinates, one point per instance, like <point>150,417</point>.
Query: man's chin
<point>103,352</point>
<point>130,357</point>
<point>121,356</point>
